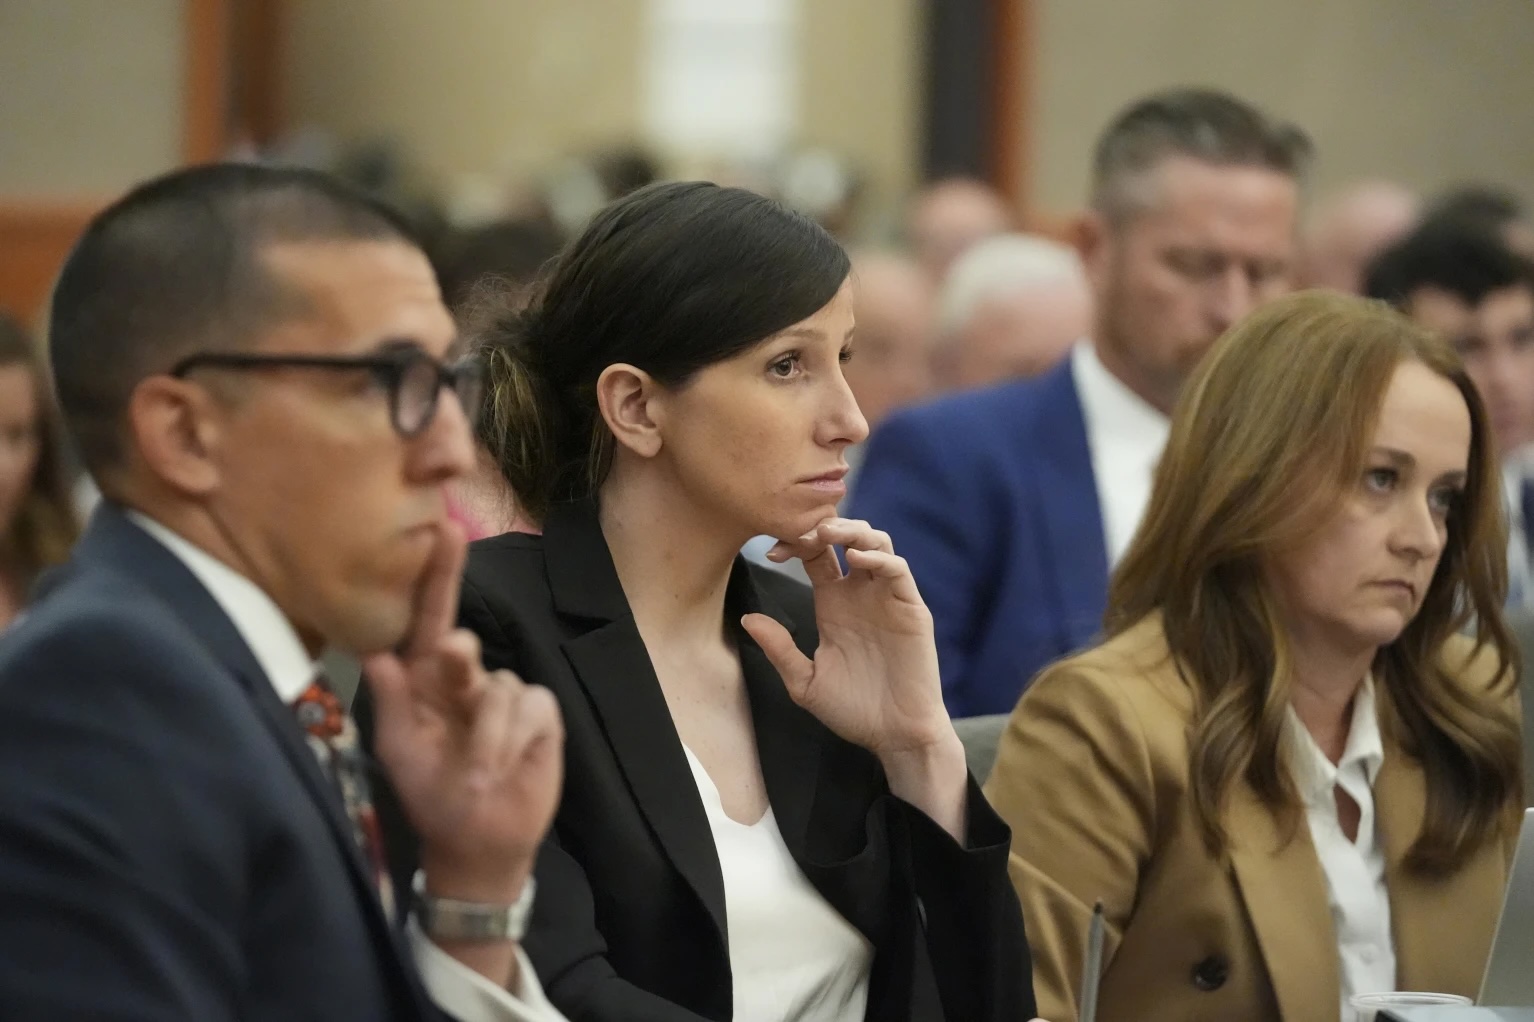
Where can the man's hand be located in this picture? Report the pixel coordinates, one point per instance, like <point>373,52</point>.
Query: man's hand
<point>476,757</point>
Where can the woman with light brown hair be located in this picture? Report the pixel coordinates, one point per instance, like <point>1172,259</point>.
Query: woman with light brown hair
<point>1286,773</point>
<point>37,517</point>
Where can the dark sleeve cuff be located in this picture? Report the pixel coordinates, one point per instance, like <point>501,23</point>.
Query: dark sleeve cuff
<point>972,920</point>
<point>986,837</point>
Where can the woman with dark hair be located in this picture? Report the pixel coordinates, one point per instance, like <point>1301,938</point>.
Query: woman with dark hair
<point>37,518</point>
<point>766,813</point>
<point>1287,775</point>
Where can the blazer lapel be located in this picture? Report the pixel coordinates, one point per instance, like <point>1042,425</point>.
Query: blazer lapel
<point>1284,890</point>
<point>1073,552</point>
<point>1419,904</point>
<point>788,739</point>
<point>825,826</point>
<point>1400,798</point>
<point>613,666</point>
<point>115,540</point>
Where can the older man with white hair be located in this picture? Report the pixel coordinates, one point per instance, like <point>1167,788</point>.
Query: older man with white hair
<point>1011,307</point>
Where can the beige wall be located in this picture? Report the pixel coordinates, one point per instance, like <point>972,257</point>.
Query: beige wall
<point>90,94</point>
<point>860,85</point>
<point>485,86</point>
<point>1430,92</point>
<point>472,86</point>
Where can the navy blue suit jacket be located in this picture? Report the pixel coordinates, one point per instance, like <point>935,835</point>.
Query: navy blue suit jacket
<point>169,848</point>
<point>990,496</point>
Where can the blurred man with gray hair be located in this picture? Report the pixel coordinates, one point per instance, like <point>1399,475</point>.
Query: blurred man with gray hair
<point>1011,307</point>
<point>1011,503</point>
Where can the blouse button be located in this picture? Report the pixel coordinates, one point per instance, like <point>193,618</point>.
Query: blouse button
<point>1211,973</point>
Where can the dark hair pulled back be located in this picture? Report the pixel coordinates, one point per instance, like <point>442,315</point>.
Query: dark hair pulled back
<point>669,279</point>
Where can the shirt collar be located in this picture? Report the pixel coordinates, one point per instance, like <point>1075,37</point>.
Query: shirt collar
<point>263,626</point>
<point>1316,775</point>
<point>1114,412</point>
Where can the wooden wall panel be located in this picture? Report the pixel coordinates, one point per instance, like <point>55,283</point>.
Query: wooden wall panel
<point>35,236</point>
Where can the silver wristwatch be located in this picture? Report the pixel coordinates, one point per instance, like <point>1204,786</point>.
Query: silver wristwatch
<point>447,919</point>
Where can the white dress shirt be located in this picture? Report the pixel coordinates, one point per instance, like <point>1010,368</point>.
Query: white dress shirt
<point>1355,871</point>
<point>1126,436</point>
<point>456,988</point>
<point>1520,567</point>
<point>793,958</point>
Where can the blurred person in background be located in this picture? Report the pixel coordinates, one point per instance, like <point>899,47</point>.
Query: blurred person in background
<point>37,511</point>
<point>625,168</point>
<point>503,256</point>
<point>1489,207</point>
<point>891,363</point>
<point>497,262</point>
<point>946,217</point>
<point>1287,774</point>
<point>823,185</point>
<point>1010,307</point>
<point>1012,503</point>
<point>1348,230</point>
<point>1459,279</point>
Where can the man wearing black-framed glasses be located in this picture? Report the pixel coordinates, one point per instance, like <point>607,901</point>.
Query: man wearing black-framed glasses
<point>254,363</point>
<point>412,379</point>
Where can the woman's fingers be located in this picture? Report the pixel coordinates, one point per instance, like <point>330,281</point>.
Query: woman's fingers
<point>878,564</point>
<point>815,552</point>
<point>853,535</point>
<point>886,566</point>
<point>796,669</point>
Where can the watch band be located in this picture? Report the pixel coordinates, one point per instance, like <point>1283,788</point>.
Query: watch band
<point>449,919</point>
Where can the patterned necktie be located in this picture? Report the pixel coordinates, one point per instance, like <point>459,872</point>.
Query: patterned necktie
<point>332,736</point>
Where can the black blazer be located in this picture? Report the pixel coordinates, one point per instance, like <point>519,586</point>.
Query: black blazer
<point>629,924</point>
<point>169,848</point>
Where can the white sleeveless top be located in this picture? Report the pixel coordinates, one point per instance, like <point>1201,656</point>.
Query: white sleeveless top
<point>793,958</point>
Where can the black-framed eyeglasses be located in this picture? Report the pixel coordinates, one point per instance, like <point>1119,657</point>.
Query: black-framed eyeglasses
<point>413,379</point>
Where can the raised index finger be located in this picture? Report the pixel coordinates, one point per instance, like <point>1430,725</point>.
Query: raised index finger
<point>436,604</point>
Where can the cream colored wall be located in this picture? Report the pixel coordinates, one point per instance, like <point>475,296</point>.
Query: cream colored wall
<point>1430,92</point>
<point>485,86</point>
<point>472,86</point>
<point>860,85</point>
<point>90,94</point>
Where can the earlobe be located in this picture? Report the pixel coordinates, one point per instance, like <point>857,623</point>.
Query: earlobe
<point>630,402</point>
<point>175,433</point>
<point>1089,232</point>
<point>1092,243</point>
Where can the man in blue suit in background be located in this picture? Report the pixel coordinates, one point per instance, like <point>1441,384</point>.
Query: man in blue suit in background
<point>1012,503</point>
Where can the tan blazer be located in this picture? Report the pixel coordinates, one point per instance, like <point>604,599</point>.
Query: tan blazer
<point>1092,775</point>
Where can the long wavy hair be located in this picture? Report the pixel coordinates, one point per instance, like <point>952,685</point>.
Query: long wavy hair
<point>45,525</point>
<point>1269,438</point>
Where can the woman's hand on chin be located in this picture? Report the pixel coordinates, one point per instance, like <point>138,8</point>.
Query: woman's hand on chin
<point>874,679</point>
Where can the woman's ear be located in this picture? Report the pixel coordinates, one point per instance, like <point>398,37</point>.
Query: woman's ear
<point>627,397</point>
